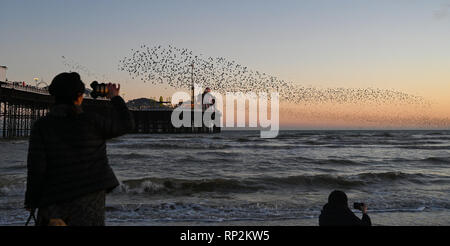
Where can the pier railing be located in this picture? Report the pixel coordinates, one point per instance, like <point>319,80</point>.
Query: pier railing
<point>24,87</point>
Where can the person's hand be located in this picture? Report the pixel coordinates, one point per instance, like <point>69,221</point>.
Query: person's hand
<point>56,222</point>
<point>113,90</point>
<point>364,209</point>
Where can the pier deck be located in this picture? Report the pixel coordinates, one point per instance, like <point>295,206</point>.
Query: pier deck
<point>21,105</point>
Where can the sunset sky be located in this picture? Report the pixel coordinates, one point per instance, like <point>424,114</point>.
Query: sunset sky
<point>400,45</point>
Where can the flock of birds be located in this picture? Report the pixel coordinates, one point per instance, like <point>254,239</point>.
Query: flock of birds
<point>174,66</point>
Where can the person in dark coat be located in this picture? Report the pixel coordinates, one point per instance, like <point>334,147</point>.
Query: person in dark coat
<point>68,170</point>
<point>337,213</point>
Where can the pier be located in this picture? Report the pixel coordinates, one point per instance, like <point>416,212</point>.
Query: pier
<point>21,105</point>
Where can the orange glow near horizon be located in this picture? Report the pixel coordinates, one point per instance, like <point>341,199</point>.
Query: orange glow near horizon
<point>435,115</point>
<point>366,116</point>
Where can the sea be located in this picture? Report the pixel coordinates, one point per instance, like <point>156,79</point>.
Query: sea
<point>238,178</point>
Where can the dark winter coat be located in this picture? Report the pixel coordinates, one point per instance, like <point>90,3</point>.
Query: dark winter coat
<point>341,216</point>
<point>67,153</point>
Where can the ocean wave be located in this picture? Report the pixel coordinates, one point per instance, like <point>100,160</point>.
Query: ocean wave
<point>269,146</point>
<point>312,180</point>
<point>443,160</point>
<point>347,180</point>
<point>20,166</point>
<point>220,154</point>
<point>391,210</point>
<point>176,187</point>
<point>183,186</point>
<point>295,134</point>
<point>249,139</point>
<point>172,186</point>
<point>386,134</point>
<point>128,156</point>
<point>384,145</point>
<point>331,137</point>
<point>243,140</point>
<point>437,133</point>
<point>337,161</point>
<point>392,176</point>
<point>301,159</point>
<point>184,145</point>
<point>421,147</point>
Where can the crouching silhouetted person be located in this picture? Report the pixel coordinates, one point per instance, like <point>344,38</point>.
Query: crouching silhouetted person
<point>337,213</point>
<point>68,170</point>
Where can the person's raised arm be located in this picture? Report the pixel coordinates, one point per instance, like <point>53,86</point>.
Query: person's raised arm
<point>120,121</point>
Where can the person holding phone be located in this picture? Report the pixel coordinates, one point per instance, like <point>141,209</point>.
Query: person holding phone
<point>68,170</point>
<point>337,213</point>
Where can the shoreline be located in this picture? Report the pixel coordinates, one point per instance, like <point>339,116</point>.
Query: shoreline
<point>428,218</point>
<point>422,218</point>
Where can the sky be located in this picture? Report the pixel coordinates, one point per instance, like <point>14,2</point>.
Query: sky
<point>401,44</point>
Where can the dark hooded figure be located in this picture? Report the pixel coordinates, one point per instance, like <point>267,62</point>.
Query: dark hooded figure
<point>337,213</point>
<point>68,170</point>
